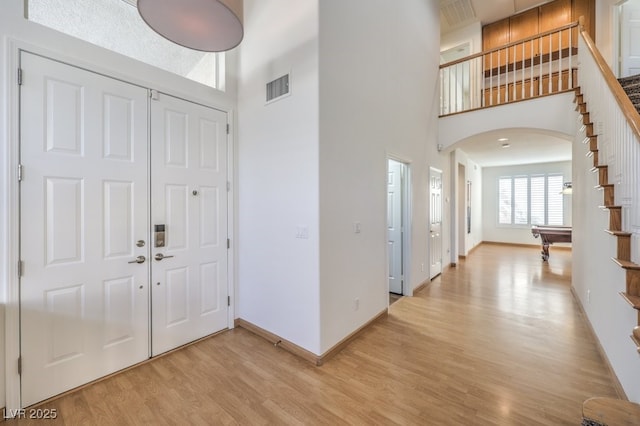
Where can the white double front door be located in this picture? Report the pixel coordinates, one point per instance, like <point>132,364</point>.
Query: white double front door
<point>103,167</point>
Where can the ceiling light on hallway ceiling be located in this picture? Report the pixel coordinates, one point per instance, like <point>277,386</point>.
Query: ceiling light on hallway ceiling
<point>206,25</point>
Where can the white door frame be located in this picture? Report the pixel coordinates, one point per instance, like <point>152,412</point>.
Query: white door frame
<point>10,203</point>
<point>407,287</point>
<point>430,244</point>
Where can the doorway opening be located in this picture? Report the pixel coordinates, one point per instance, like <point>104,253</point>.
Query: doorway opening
<point>102,292</point>
<point>435,222</point>
<point>397,221</point>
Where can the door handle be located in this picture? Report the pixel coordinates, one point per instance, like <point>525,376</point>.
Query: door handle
<point>161,256</point>
<point>139,259</point>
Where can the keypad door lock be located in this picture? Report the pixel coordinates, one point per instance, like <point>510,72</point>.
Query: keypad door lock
<point>159,235</point>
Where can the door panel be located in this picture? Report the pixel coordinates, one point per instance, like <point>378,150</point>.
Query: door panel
<point>394,226</point>
<point>189,197</point>
<point>435,228</point>
<point>629,36</point>
<point>84,307</point>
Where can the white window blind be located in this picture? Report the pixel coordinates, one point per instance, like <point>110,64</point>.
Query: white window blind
<point>504,196</point>
<point>531,200</point>
<point>555,200</point>
<point>521,200</point>
<point>538,202</point>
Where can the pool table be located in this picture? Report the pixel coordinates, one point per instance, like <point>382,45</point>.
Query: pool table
<point>551,234</point>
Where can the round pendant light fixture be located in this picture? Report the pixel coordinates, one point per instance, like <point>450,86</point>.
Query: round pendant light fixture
<point>206,25</point>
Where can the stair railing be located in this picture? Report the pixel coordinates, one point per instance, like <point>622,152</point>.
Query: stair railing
<point>535,66</point>
<point>617,125</point>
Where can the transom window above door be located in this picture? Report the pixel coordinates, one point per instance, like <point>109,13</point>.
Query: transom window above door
<point>117,26</point>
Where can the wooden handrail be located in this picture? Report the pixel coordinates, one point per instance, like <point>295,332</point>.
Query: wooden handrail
<point>629,111</point>
<point>506,46</point>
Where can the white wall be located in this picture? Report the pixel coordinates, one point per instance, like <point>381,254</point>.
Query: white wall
<point>463,240</point>
<point>606,30</point>
<point>548,113</point>
<point>378,96</point>
<point>510,234</point>
<point>471,33</point>
<point>16,32</point>
<point>278,274</point>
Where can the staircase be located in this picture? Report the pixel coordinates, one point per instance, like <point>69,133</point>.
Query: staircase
<point>623,252</point>
<point>631,86</point>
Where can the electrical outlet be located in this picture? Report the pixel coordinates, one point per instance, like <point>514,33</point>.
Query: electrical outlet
<point>356,304</point>
<point>302,232</point>
<point>357,228</point>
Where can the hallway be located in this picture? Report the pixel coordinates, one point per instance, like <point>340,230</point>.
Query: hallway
<point>497,340</point>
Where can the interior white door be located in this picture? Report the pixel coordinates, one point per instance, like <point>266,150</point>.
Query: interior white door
<point>629,36</point>
<point>394,226</point>
<point>435,219</point>
<point>84,305</point>
<point>189,197</point>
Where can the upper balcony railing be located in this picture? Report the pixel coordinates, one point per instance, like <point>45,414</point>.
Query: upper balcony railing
<point>536,66</point>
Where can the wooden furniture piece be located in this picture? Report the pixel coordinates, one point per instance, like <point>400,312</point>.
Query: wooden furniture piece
<point>610,411</point>
<point>551,234</point>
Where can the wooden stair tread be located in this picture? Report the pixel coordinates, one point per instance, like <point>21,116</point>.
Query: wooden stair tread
<point>636,341</point>
<point>611,411</point>
<point>626,264</point>
<point>618,233</point>
<point>598,167</point>
<point>604,185</point>
<point>634,301</point>
<point>611,207</point>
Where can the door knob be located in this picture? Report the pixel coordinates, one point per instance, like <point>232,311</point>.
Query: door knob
<point>139,259</point>
<point>161,256</point>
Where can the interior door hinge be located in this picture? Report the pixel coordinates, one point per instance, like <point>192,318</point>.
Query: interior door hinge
<point>20,365</point>
<point>19,76</point>
<point>228,186</point>
<point>153,94</point>
<point>20,170</point>
<point>228,243</point>
<point>227,128</point>
<point>20,268</point>
<point>228,300</point>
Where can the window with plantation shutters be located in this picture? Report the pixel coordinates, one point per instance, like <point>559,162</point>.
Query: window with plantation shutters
<point>531,200</point>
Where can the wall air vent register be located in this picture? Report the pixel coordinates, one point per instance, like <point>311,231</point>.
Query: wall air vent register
<point>278,88</point>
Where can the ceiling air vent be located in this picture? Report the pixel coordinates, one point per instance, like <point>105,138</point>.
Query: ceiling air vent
<point>278,88</point>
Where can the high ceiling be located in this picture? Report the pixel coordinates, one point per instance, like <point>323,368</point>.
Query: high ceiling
<point>458,13</point>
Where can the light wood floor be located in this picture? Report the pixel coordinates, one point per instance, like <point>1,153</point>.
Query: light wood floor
<point>499,340</point>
